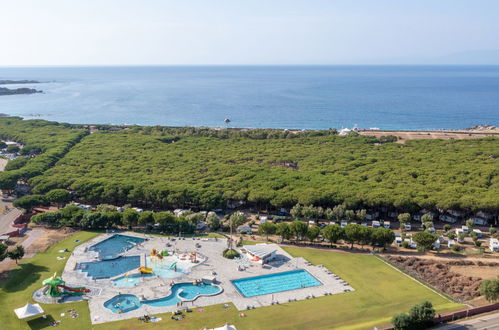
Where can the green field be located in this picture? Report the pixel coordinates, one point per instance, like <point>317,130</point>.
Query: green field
<point>380,292</point>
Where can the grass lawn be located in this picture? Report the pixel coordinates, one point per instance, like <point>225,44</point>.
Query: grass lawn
<point>380,293</point>
<point>22,281</point>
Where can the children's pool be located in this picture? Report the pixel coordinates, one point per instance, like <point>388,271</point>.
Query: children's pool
<point>180,292</point>
<point>113,246</point>
<point>109,268</point>
<point>272,283</point>
<point>130,280</point>
<point>123,303</point>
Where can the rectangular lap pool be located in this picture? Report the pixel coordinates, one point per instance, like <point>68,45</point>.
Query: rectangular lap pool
<point>272,283</point>
<point>113,246</point>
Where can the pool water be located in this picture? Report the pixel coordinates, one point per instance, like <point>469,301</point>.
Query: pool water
<point>109,268</point>
<point>113,246</point>
<point>184,291</point>
<point>180,292</point>
<point>272,283</point>
<point>130,280</point>
<point>123,303</point>
<point>162,268</point>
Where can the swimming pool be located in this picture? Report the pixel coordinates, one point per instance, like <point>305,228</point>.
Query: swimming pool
<point>180,292</point>
<point>123,303</point>
<point>112,247</point>
<point>109,268</point>
<point>272,283</point>
<point>130,280</point>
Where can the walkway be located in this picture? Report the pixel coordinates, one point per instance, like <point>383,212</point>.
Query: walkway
<point>487,322</point>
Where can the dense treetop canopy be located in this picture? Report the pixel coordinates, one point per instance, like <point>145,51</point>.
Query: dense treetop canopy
<point>147,166</point>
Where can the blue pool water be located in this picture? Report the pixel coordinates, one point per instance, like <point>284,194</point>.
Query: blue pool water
<point>266,284</point>
<point>109,268</point>
<point>180,292</point>
<point>130,280</point>
<point>113,246</point>
<point>123,303</point>
<point>163,269</point>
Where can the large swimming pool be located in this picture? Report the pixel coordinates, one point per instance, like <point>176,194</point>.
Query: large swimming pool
<point>109,268</point>
<point>272,283</point>
<point>183,291</point>
<point>113,246</point>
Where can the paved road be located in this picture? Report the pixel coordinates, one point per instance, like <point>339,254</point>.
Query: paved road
<point>32,236</point>
<point>6,220</point>
<point>487,322</point>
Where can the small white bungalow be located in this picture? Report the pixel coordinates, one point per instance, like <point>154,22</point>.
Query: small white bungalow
<point>372,215</point>
<point>375,224</point>
<point>465,229</point>
<point>494,245</point>
<point>448,218</point>
<point>479,221</point>
<point>343,224</point>
<point>478,233</point>
<point>244,229</point>
<point>386,224</point>
<point>451,243</point>
<point>407,226</point>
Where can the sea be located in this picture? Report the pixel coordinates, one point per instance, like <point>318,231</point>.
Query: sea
<point>292,97</point>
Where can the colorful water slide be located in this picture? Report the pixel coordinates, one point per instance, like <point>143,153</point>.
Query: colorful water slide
<point>78,289</point>
<point>145,270</point>
<point>173,265</point>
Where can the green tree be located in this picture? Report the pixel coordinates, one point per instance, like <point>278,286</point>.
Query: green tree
<point>236,219</point>
<point>490,289</point>
<point>299,229</point>
<point>424,240</point>
<point>28,202</point>
<point>352,233</point>
<point>339,212</point>
<point>402,321</point>
<point>404,218</point>
<point>12,149</point>
<point>3,145</point>
<point>164,220</point>
<point>361,214</point>
<point>350,215</point>
<point>296,211</point>
<point>309,212</point>
<point>312,233</point>
<point>213,221</point>
<point>426,218</point>
<point>470,223</point>
<point>130,217</point>
<point>58,196</point>
<point>422,315</point>
<point>267,228</point>
<point>329,214</point>
<point>447,227</point>
<point>283,230</point>
<point>365,235</point>
<point>17,253</point>
<point>3,251</point>
<point>146,218</point>
<point>333,233</point>
<point>382,237</point>
<point>492,230</point>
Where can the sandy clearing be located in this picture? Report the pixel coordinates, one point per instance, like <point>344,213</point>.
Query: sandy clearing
<point>484,272</point>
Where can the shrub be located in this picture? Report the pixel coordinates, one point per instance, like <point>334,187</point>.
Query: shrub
<point>492,230</point>
<point>406,245</point>
<point>456,248</point>
<point>230,253</point>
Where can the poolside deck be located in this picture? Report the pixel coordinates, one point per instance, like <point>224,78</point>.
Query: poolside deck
<point>225,270</point>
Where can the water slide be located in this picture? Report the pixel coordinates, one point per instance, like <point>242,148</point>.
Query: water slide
<point>173,265</point>
<point>79,289</point>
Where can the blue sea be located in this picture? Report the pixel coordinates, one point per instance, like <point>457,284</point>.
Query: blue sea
<point>303,97</point>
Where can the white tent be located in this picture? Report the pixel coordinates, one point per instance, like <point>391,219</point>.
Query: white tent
<point>28,311</point>
<point>226,327</point>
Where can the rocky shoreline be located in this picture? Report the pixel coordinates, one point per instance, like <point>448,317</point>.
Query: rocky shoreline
<point>18,91</point>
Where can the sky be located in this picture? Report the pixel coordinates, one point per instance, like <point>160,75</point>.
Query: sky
<point>248,32</point>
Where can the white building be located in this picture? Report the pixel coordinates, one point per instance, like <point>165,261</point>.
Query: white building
<point>448,218</point>
<point>494,245</point>
<point>260,253</point>
<point>375,224</point>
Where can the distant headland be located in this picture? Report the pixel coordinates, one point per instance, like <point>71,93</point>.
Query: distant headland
<point>18,91</point>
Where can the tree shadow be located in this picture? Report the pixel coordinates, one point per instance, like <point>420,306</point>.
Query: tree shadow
<point>41,322</point>
<point>22,277</point>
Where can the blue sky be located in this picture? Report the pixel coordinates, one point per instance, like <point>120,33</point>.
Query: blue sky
<point>118,32</point>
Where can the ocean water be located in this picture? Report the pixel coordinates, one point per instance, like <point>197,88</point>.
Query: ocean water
<point>303,97</point>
